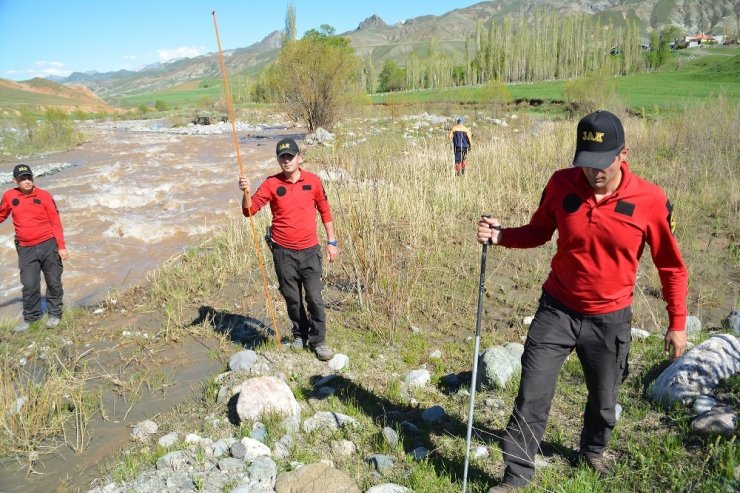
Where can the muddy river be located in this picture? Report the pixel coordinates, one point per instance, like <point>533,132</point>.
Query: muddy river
<point>134,195</point>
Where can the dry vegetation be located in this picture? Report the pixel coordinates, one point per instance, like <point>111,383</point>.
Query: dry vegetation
<point>406,230</point>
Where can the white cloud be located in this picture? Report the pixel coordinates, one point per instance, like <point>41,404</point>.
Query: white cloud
<point>165,54</point>
<point>45,68</point>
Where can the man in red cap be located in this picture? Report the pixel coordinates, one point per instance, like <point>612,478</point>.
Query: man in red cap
<point>39,240</point>
<point>295,195</point>
<point>604,216</point>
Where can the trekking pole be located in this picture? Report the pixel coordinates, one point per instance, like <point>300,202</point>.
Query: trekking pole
<point>474,377</point>
<point>227,94</point>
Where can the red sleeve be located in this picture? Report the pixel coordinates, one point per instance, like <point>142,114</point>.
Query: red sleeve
<point>56,223</point>
<point>4,207</point>
<point>322,203</point>
<point>540,228</point>
<point>259,199</point>
<point>668,260</point>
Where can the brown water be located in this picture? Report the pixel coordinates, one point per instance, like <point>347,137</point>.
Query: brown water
<point>132,197</point>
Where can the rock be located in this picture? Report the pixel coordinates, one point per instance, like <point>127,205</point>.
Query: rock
<point>704,403</point>
<point>436,354</point>
<point>254,449</point>
<point>262,473</point>
<point>390,436</point>
<point>338,175</point>
<point>639,333</point>
<point>494,403</point>
<point>388,488</point>
<point>496,367</point>
<point>380,462</point>
<point>167,440</point>
<point>315,478</point>
<point>262,396</point>
<point>259,432</point>
<point>16,407</point>
<point>291,424</point>
<point>693,326</point>
<point>720,420</point>
<point>617,411</point>
<point>516,349</point>
<point>410,428</point>
<point>420,453</point>
<point>282,447</point>
<point>343,447</point>
<point>338,362</point>
<point>193,438</point>
<point>417,378</point>
<point>732,322</point>
<point>143,429</point>
<point>434,414</point>
<point>480,452</point>
<point>527,321</point>
<point>325,420</point>
<point>175,461</point>
<point>229,464</point>
<point>238,450</point>
<point>220,447</point>
<point>698,371</point>
<point>243,360</point>
<point>224,394</point>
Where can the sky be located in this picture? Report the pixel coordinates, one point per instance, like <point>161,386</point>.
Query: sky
<point>42,38</point>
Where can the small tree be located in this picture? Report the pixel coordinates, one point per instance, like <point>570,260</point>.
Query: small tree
<point>391,77</point>
<point>588,94</point>
<point>495,93</point>
<point>317,78</point>
<point>160,105</point>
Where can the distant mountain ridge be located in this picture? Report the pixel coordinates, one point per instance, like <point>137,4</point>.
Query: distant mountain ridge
<point>379,41</point>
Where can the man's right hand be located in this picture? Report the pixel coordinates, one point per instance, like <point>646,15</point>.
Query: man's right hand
<point>244,184</point>
<point>487,230</point>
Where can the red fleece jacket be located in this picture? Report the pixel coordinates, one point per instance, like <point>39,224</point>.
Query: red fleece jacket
<point>599,244</point>
<point>35,216</point>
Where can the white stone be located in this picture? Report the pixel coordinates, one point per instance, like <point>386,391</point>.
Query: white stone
<point>418,378</point>
<point>167,440</point>
<point>704,403</point>
<point>262,396</point>
<point>255,449</point>
<point>639,333</point>
<point>338,362</point>
<point>388,488</point>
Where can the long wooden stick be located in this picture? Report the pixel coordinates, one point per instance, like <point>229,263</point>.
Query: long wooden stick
<point>257,249</point>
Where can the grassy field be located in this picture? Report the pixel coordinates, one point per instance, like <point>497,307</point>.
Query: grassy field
<point>406,285</point>
<point>688,81</point>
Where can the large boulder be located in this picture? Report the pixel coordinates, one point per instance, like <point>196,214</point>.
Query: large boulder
<point>497,365</point>
<point>698,371</point>
<point>263,396</point>
<point>315,478</point>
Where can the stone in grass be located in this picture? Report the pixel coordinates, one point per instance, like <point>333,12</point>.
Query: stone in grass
<point>434,414</point>
<point>262,396</point>
<point>343,447</point>
<point>167,440</point>
<point>732,322</point>
<point>380,462</point>
<point>388,488</point>
<point>338,362</point>
<point>720,420</point>
<point>326,420</point>
<point>315,478</point>
<point>418,378</point>
<point>390,436</point>
<point>144,429</point>
<point>176,461</point>
<point>243,360</point>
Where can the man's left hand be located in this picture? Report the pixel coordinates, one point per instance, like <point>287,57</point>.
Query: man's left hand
<point>675,343</point>
<point>332,252</point>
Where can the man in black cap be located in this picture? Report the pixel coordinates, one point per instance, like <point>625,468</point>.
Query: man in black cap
<point>294,196</point>
<point>604,216</point>
<point>39,240</point>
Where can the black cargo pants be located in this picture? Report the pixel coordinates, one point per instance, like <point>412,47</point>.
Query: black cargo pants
<point>32,261</point>
<point>299,273</point>
<point>602,344</point>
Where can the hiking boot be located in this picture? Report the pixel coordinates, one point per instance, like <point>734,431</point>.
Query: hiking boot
<point>297,343</point>
<point>503,488</point>
<point>52,322</point>
<point>21,327</point>
<point>322,352</point>
<point>597,464</point>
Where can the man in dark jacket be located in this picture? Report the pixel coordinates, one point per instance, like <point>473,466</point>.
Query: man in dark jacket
<point>461,140</point>
<point>39,240</point>
<point>604,216</point>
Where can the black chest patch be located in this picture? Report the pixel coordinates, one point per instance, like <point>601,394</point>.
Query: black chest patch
<point>571,203</point>
<point>307,187</point>
<point>281,191</point>
<point>625,208</point>
<point>16,202</point>
<point>37,201</point>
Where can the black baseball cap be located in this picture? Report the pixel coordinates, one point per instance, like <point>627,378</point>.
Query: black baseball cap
<point>286,146</point>
<point>22,170</point>
<point>599,138</point>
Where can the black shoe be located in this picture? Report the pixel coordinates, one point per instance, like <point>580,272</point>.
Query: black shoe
<point>598,464</point>
<point>322,352</point>
<point>297,343</point>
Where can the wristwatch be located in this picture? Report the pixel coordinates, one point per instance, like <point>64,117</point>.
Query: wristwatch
<point>332,243</point>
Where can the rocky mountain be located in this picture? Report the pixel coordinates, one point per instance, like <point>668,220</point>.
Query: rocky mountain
<point>40,92</point>
<point>379,41</point>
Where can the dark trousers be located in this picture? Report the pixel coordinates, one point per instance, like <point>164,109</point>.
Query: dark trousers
<point>299,274</point>
<point>602,344</point>
<point>460,154</point>
<point>32,261</point>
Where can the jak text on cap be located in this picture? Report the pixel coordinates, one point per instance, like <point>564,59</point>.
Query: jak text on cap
<point>22,170</point>
<point>286,146</point>
<point>600,137</point>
